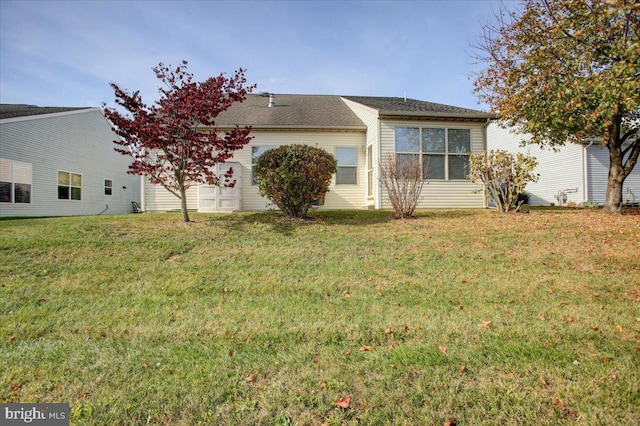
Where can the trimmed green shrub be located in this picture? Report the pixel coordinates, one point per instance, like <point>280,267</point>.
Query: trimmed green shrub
<point>294,176</point>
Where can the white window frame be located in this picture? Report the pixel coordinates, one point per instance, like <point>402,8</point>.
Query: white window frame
<point>254,159</point>
<point>70,185</point>
<point>447,154</point>
<point>16,173</point>
<point>108,189</point>
<point>347,166</point>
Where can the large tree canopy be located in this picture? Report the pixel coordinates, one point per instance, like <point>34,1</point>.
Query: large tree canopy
<point>175,142</point>
<point>566,70</point>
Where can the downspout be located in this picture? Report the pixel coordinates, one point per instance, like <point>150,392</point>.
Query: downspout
<point>378,144</point>
<point>143,194</point>
<point>585,172</point>
<point>486,150</point>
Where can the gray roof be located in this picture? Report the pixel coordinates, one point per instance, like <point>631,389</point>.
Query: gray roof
<point>416,108</point>
<point>330,112</point>
<point>292,111</point>
<point>24,110</point>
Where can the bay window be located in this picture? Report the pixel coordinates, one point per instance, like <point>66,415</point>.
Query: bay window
<point>444,153</point>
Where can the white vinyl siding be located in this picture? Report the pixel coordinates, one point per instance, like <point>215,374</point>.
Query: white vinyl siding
<point>559,170</point>
<point>78,141</point>
<point>439,193</point>
<point>598,166</point>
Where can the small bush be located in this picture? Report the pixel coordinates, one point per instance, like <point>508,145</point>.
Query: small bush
<point>294,176</point>
<point>504,176</point>
<point>403,182</point>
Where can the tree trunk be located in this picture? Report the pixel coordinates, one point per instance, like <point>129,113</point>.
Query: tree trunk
<point>613,200</point>
<point>183,204</point>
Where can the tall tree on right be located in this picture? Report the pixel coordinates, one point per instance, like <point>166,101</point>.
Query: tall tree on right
<point>566,70</point>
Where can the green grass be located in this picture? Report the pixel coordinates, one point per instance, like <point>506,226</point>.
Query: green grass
<point>250,319</point>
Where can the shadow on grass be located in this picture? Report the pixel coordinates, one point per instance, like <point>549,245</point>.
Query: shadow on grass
<point>284,225</point>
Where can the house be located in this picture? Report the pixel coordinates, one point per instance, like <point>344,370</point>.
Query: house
<point>359,131</point>
<point>574,173</point>
<point>58,161</point>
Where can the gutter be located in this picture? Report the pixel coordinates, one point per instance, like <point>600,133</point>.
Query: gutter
<point>292,128</point>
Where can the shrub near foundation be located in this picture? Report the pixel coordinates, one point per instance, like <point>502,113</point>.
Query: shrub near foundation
<point>293,176</point>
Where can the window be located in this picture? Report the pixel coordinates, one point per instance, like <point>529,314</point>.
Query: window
<point>108,187</point>
<point>256,152</point>
<point>347,165</point>
<point>15,182</point>
<point>444,152</point>
<point>69,186</point>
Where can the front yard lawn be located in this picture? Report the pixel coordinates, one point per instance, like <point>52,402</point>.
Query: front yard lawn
<point>352,318</point>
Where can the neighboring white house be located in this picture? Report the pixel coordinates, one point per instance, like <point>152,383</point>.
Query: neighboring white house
<point>573,173</point>
<point>359,131</point>
<point>58,161</point>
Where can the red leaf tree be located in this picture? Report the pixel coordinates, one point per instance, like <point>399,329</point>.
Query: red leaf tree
<point>175,141</point>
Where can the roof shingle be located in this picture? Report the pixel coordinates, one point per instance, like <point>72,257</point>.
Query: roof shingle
<point>413,107</point>
<point>304,111</point>
<point>24,110</point>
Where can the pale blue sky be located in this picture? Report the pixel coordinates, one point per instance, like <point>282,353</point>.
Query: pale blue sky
<point>64,53</point>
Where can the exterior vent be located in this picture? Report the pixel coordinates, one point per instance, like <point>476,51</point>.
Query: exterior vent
<point>272,100</point>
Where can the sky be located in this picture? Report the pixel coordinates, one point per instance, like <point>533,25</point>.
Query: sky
<point>65,53</point>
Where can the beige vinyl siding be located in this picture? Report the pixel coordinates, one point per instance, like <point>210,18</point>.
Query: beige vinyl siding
<point>339,196</point>
<point>369,117</point>
<point>80,142</point>
<point>437,193</point>
<point>157,198</point>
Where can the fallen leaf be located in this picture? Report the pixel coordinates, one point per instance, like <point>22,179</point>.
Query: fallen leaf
<point>443,349</point>
<point>542,318</point>
<point>388,331</point>
<point>323,385</point>
<point>12,338</point>
<point>344,402</point>
<point>451,422</point>
<point>346,353</point>
<point>251,378</point>
<point>485,324</point>
<point>365,348</point>
<point>462,368</point>
<point>620,328</point>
